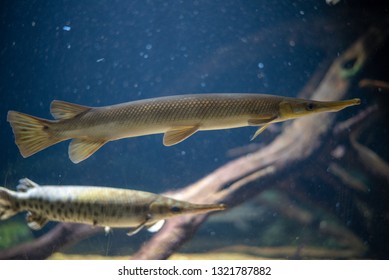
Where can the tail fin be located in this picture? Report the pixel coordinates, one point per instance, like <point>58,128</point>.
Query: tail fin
<point>7,205</point>
<point>32,134</point>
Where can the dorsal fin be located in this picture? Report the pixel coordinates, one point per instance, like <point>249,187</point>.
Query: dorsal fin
<point>65,110</point>
<point>26,184</point>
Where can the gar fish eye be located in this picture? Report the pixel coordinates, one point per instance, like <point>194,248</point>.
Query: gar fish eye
<point>175,209</point>
<point>310,106</point>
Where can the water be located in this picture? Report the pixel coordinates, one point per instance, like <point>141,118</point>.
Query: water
<point>117,51</point>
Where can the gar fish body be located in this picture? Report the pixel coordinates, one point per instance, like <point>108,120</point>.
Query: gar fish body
<point>98,206</point>
<point>178,117</point>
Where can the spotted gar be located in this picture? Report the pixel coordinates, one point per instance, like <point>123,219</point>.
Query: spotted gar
<point>178,117</point>
<point>98,206</point>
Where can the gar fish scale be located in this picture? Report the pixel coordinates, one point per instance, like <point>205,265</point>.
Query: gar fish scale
<point>189,109</point>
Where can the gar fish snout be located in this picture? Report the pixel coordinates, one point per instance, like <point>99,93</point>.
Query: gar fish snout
<point>334,106</point>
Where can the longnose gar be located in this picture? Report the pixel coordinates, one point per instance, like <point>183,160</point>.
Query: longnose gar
<point>178,117</point>
<point>98,206</point>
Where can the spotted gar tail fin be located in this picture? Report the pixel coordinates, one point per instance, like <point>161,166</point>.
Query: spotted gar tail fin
<point>32,134</point>
<point>7,204</point>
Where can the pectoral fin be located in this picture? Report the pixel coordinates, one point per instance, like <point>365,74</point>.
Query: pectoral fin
<point>81,149</point>
<point>34,221</point>
<point>264,122</point>
<point>136,229</point>
<point>259,131</point>
<point>178,134</point>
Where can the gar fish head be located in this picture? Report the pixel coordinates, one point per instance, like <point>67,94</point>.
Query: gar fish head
<point>295,108</point>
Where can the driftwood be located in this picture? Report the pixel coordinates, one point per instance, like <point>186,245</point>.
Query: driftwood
<point>374,84</point>
<point>238,180</point>
<point>371,161</point>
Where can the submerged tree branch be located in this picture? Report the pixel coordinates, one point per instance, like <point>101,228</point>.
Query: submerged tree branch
<point>374,84</point>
